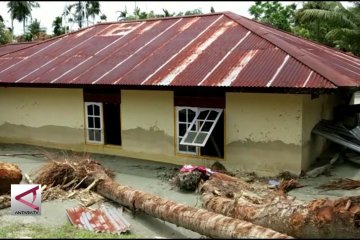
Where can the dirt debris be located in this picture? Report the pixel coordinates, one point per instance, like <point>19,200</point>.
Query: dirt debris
<point>342,184</point>
<point>5,201</point>
<point>287,185</point>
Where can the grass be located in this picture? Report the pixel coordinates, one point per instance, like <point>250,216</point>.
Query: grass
<point>64,231</point>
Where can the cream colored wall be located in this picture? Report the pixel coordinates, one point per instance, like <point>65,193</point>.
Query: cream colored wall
<point>42,115</point>
<point>313,111</point>
<point>147,121</point>
<point>263,132</point>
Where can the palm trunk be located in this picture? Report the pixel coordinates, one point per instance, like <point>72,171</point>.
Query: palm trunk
<point>199,220</point>
<point>322,218</point>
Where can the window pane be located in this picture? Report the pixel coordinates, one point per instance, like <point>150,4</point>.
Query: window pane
<point>96,110</point>
<point>193,127</point>
<point>203,114</point>
<point>91,135</point>
<point>200,124</point>
<point>191,115</point>
<point>213,115</point>
<point>190,137</point>
<point>182,129</point>
<point>191,149</point>
<point>182,148</point>
<point>90,109</point>
<point>206,127</point>
<point>182,115</point>
<point>201,137</point>
<point>97,135</point>
<point>91,122</point>
<point>97,122</point>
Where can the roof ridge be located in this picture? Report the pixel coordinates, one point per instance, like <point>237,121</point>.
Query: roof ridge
<point>317,66</point>
<point>105,23</point>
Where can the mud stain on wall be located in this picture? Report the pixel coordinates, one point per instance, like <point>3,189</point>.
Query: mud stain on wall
<point>264,158</point>
<point>45,134</point>
<point>148,141</point>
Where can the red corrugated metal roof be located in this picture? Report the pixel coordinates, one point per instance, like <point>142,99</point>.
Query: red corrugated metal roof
<point>220,49</point>
<point>12,47</point>
<point>99,220</point>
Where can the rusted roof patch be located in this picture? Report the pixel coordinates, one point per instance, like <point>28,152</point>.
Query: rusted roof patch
<point>99,220</point>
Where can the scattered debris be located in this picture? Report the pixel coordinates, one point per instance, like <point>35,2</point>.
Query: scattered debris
<point>273,183</point>
<point>190,176</point>
<point>99,220</point>
<point>218,167</point>
<point>287,175</point>
<point>5,201</point>
<point>187,181</point>
<point>28,179</point>
<point>342,184</point>
<point>321,218</point>
<point>10,173</point>
<point>288,185</point>
<point>323,169</point>
<point>352,156</point>
<point>201,221</point>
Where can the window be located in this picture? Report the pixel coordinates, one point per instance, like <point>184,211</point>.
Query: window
<point>94,125</point>
<point>103,116</point>
<point>185,115</point>
<point>200,131</point>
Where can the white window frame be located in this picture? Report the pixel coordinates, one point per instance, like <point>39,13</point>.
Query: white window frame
<point>99,104</point>
<point>199,127</point>
<point>178,109</point>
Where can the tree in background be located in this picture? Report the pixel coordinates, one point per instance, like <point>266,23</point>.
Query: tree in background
<point>330,23</point>
<point>35,31</point>
<point>274,14</point>
<point>59,29</point>
<point>326,22</point>
<point>21,10</point>
<point>80,12</point>
<point>5,34</point>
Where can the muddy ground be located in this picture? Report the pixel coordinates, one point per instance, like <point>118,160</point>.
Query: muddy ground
<point>152,177</point>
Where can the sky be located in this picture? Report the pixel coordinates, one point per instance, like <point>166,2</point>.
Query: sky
<point>49,10</point>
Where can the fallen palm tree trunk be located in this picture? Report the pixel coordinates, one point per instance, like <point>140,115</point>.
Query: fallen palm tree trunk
<point>9,174</point>
<point>199,220</point>
<point>320,218</point>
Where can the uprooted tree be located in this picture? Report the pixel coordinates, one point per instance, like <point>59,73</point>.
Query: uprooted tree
<point>91,174</point>
<point>321,218</point>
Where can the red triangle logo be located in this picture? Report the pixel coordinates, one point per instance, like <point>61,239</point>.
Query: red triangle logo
<point>33,191</point>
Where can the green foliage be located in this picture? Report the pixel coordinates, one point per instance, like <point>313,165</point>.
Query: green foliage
<point>80,12</point>
<point>274,14</point>
<point>21,10</point>
<point>326,22</point>
<point>59,29</point>
<point>5,34</point>
<point>138,14</point>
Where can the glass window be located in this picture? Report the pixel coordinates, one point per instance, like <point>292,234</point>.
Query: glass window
<point>185,115</point>
<point>94,125</point>
<point>206,119</point>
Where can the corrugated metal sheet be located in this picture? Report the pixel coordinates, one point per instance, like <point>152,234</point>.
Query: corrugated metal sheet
<point>5,49</point>
<point>220,49</point>
<point>104,219</point>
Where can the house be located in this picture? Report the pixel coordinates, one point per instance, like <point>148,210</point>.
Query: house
<point>183,90</point>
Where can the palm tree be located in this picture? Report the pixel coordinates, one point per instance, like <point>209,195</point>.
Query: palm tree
<point>93,10</point>
<point>21,10</point>
<point>332,24</point>
<point>81,11</point>
<point>58,27</point>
